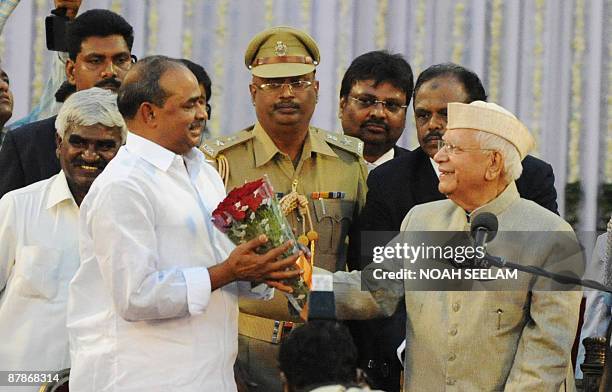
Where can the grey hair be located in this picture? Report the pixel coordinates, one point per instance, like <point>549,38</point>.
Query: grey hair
<point>90,107</point>
<point>512,160</point>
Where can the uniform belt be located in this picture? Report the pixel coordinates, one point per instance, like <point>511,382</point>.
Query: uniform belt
<point>261,328</point>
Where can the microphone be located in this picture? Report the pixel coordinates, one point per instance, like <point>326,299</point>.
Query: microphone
<point>484,228</point>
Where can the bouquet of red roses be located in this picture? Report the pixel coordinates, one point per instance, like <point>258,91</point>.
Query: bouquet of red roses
<point>252,210</point>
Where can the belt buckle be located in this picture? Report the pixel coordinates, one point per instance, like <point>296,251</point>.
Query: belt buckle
<point>277,331</point>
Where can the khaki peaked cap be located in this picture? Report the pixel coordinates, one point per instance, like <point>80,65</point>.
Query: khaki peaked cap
<point>281,52</point>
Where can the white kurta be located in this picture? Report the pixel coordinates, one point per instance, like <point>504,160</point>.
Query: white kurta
<point>141,313</point>
<point>38,257</point>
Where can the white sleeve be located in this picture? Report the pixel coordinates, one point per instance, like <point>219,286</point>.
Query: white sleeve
<point>121,223</point>
<point>8,240</point>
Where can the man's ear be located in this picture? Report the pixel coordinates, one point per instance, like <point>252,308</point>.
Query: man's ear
<point>70,65</point>
<point>58,144</point>
<point>146,111</point>
<point>496,166</point>
<point>253,92</point>
<point>341,107</point>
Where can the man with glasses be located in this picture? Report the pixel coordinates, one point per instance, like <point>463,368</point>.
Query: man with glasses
<point>318,171</point>
<point>510,334</point>
<point>374,96</point>
<point>412,179</point>
<point>99,48</point>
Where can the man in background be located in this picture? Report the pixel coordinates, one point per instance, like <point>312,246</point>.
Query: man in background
<point>39,235</point>
<point>99,48</point>
<point>374,95</point>
<point>320,356</point>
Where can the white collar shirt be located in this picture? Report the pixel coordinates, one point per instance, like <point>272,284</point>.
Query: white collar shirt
<point>141,314</point>
<point>38,257</point>
<point>382,159</point>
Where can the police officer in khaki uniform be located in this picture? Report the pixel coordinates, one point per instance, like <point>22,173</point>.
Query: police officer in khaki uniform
<point>323,172</point>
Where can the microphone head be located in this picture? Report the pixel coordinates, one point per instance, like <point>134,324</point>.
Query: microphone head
<point>486,221</point>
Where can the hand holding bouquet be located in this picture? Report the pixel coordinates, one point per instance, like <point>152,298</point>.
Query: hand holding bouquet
<point>251,210</point>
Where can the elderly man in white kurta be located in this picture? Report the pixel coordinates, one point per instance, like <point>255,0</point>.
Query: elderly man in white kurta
<point>517,340</point>
<point>39,250</point>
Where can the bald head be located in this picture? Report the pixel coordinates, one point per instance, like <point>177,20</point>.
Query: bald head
<point>142,84</point>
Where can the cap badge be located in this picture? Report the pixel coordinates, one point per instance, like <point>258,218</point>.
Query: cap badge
<point>280,49</point>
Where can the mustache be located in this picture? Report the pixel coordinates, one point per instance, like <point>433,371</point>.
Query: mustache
<point>285,105</point>
<point>377,123</point>
<point>97,165</point>
<point>432,135</point>
<point>110,82</point>
<point>197,124</point>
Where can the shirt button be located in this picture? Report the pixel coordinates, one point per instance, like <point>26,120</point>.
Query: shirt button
<point>453,331</point>
<point>456,307</point>
<point>450,381</point>
<point>452,357</point>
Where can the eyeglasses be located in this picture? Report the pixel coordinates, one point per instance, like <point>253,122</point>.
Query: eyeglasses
<point>95,63</point>
<point>299,85</point>
<point>366,103</point>
<point>453,149</point>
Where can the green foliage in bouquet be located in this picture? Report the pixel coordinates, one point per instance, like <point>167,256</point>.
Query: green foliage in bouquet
<point>251,210</point>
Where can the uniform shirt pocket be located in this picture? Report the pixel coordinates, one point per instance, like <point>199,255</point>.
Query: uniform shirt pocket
<point>333,218</point>
<point>36,271</point>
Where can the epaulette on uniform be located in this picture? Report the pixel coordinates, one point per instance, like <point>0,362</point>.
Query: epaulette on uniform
<point>345,142</point>
<point>213,147</point>
<point>213,151</point>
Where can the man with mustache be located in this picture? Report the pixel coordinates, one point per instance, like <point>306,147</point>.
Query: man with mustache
<point>99,48</point>
<point>412,179</point>
<point>6,103</point>
<point>154,303</point>
<point>39,235</point>
<point>374,96</point>
<point>320,171</point>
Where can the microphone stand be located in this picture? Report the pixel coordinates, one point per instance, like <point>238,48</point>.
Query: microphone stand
<point>500,262</point>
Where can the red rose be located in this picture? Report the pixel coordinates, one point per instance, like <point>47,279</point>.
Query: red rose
<point>253,202</point>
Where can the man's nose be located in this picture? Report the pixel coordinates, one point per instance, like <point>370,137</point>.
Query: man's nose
<point>441,156</point>
<point>201,114</point>
<point>90,154</point>
<point>110,70</point>
<point>286,90</point>
<point>378,110</point>
<point>4,86</point>
<point>436,122</point>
